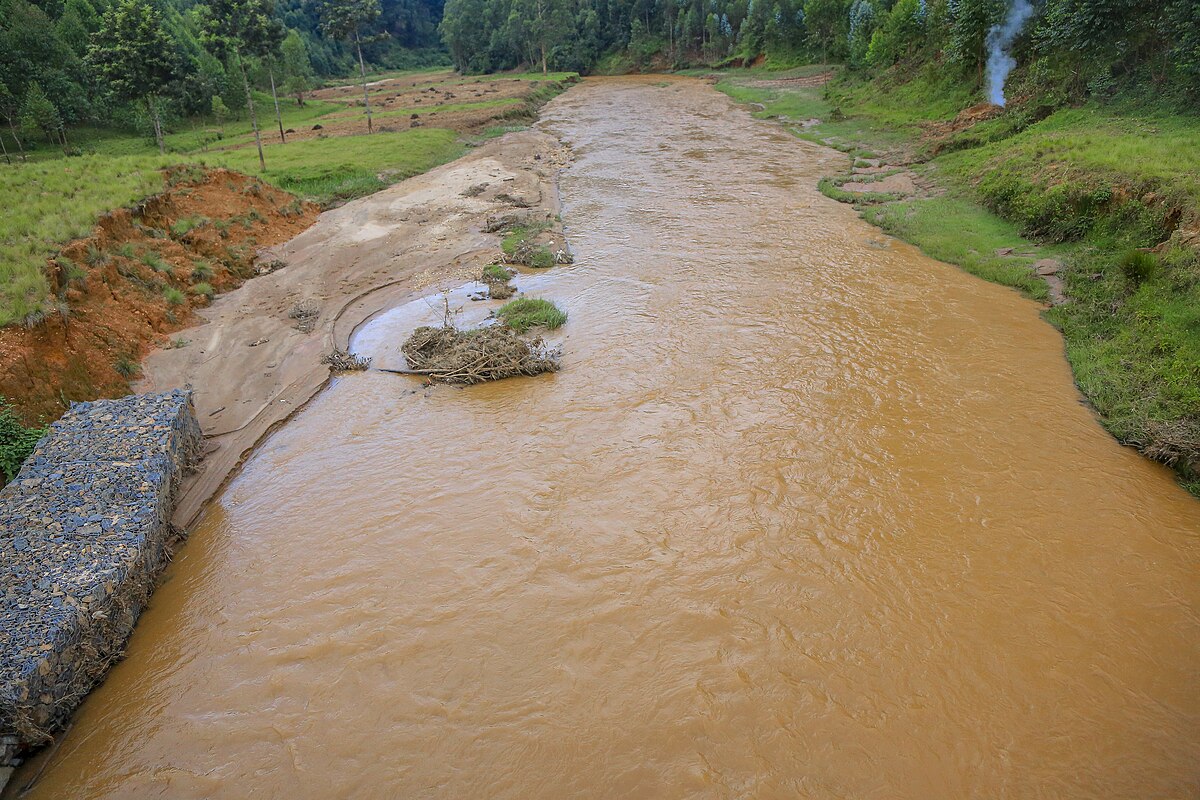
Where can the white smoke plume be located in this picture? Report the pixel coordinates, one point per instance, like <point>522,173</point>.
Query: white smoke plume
<point>999,40</point>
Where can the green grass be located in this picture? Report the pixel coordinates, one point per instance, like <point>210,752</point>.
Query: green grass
<point>442,109</point>
<point>1085,184</point>
<point>529,312</point>
<point>797,104</point>
<point>961,232</point>
<point>340,168</point>
<point>1134,344</point>
<point>192,135</point>
<point>496,272</point>
<point>51,202</point>
<point>1084,170</point>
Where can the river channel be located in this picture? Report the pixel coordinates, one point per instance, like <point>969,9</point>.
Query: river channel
<point>806,514</point>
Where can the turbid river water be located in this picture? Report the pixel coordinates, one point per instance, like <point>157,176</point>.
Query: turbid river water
<point>807,514</point>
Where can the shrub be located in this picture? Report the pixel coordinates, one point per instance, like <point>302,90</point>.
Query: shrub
<point>126,367</point>
<point>16,440</point>
<point>529,312</point>
<point>204,290</point>
<point>95,256</point>
<point>173,296</point>
<point>202,271</point>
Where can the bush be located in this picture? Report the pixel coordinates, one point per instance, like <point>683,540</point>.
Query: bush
<point>202,271</point>
<point>126,367</point>
<point>173,296</point>
<point>16,440</point>
<point>529,312</point>
<point>205,290</point>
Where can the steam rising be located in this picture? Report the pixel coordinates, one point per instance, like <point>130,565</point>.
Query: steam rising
<point>999,40</point>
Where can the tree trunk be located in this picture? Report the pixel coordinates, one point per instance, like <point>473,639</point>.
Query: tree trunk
<point>362,68</point>
<point>7,160</point>
<point>278,116</point>
<point>20,147</point>
<point>544,71</point>
<point>158,134</point>
<point>262,162</point>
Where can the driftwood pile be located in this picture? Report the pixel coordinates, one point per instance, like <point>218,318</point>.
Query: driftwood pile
<point>342,361</point>
<point>449,355</point>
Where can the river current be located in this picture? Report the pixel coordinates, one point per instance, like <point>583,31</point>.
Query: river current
<point>807,514</point>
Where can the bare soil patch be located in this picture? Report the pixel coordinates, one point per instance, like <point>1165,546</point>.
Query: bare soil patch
<point>140,276</point>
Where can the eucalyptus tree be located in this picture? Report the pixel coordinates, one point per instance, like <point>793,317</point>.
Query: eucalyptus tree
<point>244,29</point>
<point>132,52</point>
<point>350,20</point>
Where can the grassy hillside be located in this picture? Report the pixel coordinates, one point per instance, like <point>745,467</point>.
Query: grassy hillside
<point>52,199</point>
<point>1111,190</point>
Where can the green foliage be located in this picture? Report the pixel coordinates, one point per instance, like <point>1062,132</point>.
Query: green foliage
<point>242,27</point>
<point>202,271</point>
<point>496,272</point>
<point>347,19</point>
<point>1138,267</point>
<point>127,367</point>
<point>220,111</point>
<point>528,312</point>
<point>297,68</point>
<point>204,290</point>
<point>173,296</point>
<point>132,50</point>
<point>16,440</point>
<point>39,114</point>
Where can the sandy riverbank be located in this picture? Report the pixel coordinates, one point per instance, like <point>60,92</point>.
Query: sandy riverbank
<point>251,369</point>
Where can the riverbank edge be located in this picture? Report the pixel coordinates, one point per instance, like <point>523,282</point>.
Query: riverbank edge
<point>1035,269</point>
<point>529,154</point>
<point>86,533</point>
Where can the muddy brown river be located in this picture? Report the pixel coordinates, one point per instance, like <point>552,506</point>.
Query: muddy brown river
<point>806,515</point>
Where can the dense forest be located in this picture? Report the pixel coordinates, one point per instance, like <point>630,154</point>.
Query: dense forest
<point>65,63</point>
<point>1084,47</point>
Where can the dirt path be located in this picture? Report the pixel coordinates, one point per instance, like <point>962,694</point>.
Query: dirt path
<point>251,368</point>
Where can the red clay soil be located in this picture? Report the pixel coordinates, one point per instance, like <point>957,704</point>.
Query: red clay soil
<point>114,307</point>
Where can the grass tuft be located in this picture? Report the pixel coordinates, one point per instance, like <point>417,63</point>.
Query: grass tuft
<point>529,312</point>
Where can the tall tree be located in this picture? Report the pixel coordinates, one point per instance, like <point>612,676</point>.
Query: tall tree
<point>38,112</point>
<point>544,24</point>
<point>348,19</point>
<point>297,69</point>
<point>244,28</point>
<point>132,52</point>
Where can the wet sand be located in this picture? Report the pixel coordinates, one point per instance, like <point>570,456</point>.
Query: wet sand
<point>356,260</point>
